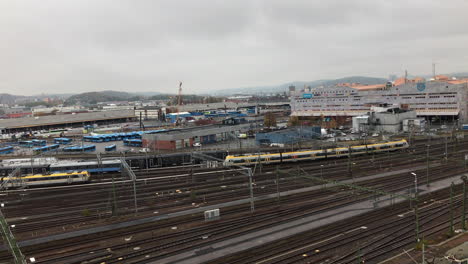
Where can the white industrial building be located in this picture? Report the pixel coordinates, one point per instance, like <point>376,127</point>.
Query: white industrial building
<point>442,98</point>
<point>383,119</point>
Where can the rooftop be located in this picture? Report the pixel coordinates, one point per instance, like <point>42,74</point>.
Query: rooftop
<point>64,119</point>
<point>402,81</point>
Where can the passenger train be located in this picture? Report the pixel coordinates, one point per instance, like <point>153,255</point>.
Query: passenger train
<point>47,179</point>
<point>314,154</point>
<point>49,165</point>
<point>92,166</point>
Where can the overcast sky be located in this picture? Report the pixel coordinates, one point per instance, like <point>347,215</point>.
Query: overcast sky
<point>70,46</point>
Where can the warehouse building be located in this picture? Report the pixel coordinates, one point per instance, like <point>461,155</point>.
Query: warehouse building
<point>383,119</point>
<point>148,113</point>
<point>183,138</point>
<point>65,121</point>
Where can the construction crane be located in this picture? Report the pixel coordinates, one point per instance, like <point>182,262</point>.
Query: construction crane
<point>179,101</point>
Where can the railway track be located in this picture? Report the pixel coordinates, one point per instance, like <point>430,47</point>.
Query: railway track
<point>101,209</point>
<point>405,183</point>
<point>373,236</point>
<point>209,186</point>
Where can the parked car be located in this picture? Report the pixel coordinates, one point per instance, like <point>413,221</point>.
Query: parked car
<point>242,136</point>
<point>144,150</point>
<point>197,144</point>
<point>279,145</point>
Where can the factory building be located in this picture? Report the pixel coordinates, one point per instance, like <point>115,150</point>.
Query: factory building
<point>414,125</point>
<point>442,99</point>
<point>148,113</point>
<point>383,119</point>
<point>187,137</point>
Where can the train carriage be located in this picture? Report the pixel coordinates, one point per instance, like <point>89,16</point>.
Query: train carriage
<point>90,166</point>
<point>314,154</point>
<point>48,179</point>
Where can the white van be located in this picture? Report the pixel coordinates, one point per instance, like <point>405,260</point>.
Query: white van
<point>278,145</point>
<point>242,136</point>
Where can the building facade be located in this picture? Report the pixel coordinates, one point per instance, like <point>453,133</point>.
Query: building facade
<point>442,98</point>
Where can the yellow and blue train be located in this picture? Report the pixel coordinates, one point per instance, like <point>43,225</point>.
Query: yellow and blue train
<point>306,155</point>
<point>47,179</point>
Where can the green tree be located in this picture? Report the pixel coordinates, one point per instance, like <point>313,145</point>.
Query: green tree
<point>269,120</point>
<point>293,121</point>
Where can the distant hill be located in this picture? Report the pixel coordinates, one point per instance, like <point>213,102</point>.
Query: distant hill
<point>146,93</point>
<point>299,84</point>
<point>96,97</point>
<point>460,75</point>
<point>55,95</point>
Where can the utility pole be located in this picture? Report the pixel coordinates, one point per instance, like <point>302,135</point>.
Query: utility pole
<point>191,175</point>
<point>446,149</point>
<point>423,254</point>
<point>466,158</point>
<point>416,205</point>
<point>451,209</point>
<point>135,193</point>
<point>360,260</point>
<point>349,159</point>
<point>277,183</point>
<point>252,205</point>
<point>9,238</point>
<point>427,166</point>
<point>464,179</point>
<point>114,197</point>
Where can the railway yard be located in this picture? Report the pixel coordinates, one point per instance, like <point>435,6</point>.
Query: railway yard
<point>355,209</point>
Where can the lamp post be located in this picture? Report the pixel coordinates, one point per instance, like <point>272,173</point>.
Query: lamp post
<point>465,180</point>
<point>351,167</point>
<point>427,165</point>
<point>415,185</point>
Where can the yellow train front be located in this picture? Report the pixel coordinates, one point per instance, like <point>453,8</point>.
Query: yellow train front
<point>314,154</point>
<point>39,180</point>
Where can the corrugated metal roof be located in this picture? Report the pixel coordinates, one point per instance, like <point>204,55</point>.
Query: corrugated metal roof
<point>65,119</point>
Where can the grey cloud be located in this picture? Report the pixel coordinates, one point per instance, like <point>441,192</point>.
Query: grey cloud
<point>85,45</point>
